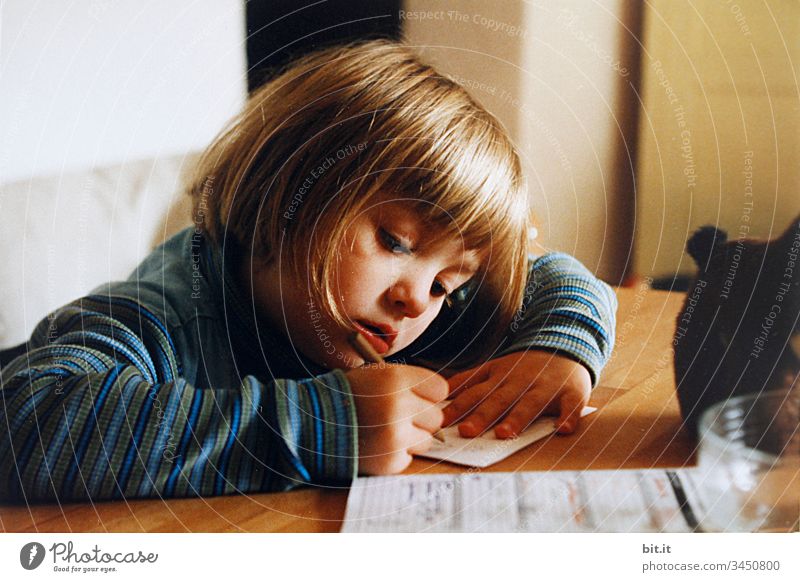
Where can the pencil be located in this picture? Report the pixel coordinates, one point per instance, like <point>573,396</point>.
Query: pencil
<point>365,349</point>
<point>368,353</point>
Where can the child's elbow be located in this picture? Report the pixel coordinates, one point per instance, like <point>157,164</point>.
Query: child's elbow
<point>13,485</point>
<point>24,471</point>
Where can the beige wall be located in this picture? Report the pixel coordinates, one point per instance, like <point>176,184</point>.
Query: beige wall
<point>486,61</point>
<point>556,74</point>
<point>577,128</point>
<point>720,129</point>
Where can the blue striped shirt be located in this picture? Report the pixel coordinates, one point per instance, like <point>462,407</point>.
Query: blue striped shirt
<point>168,385</point>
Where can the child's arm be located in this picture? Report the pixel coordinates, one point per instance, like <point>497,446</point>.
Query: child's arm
<point>98,409</point>
<point>566,309</point>
<point>551,358</point>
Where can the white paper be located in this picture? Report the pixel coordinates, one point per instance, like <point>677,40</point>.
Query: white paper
<point>555,501</point>
<point>486,450</point>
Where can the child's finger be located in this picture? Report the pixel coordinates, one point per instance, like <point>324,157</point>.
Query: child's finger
<point>572,403</point>
<point>462,380</point>
<point>423,440</point>
<point>530,407</point>
<point>487,413</point>
<point>429,419</point>
<point>465,402</point>
<point>433,389</point>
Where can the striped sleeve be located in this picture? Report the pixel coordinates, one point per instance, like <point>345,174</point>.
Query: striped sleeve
<point>568,310</point>
<point>97,409</point>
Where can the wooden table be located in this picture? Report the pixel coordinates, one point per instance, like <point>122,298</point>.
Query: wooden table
<point>638,425</point>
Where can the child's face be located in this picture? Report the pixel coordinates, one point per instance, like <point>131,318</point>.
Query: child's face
<point>391,281</point>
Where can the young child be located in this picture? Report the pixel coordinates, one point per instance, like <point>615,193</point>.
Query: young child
<point>358,190</point>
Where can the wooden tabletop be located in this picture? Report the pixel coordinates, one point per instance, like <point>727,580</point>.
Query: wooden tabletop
<point>637,425</point>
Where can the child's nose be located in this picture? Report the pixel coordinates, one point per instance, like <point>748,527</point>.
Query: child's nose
<point>409,297</point>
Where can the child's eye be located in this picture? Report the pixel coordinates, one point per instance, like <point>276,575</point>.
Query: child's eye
<point>396,246</point>
<point>439,290</point>
<point>393,243</point>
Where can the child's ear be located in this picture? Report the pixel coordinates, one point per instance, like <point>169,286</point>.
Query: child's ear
<point>703,243</point>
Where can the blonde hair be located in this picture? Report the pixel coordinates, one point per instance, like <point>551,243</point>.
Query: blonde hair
<point>339,127</point>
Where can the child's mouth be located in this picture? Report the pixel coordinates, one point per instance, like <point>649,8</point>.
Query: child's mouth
<point>380,341</point>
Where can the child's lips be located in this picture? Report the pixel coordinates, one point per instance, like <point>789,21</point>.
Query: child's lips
<point>381,342</point>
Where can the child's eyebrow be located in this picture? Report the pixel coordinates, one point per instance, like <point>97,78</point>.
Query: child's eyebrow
<point>468,265</point>
<point>411,225</point>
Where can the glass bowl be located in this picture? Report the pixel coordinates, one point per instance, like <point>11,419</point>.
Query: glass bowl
<point>749,463</point>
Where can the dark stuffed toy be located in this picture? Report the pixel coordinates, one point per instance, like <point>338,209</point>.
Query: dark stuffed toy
<point>738,330</point>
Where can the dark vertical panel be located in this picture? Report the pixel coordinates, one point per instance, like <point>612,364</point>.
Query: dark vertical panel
<point>623,220</point>
<point>279,30</point>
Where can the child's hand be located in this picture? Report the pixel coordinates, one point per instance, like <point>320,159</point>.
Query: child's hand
<point>515,390</point>
<point>397,414</point>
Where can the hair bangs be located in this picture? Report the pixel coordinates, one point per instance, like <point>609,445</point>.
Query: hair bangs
<point>469,186</point>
